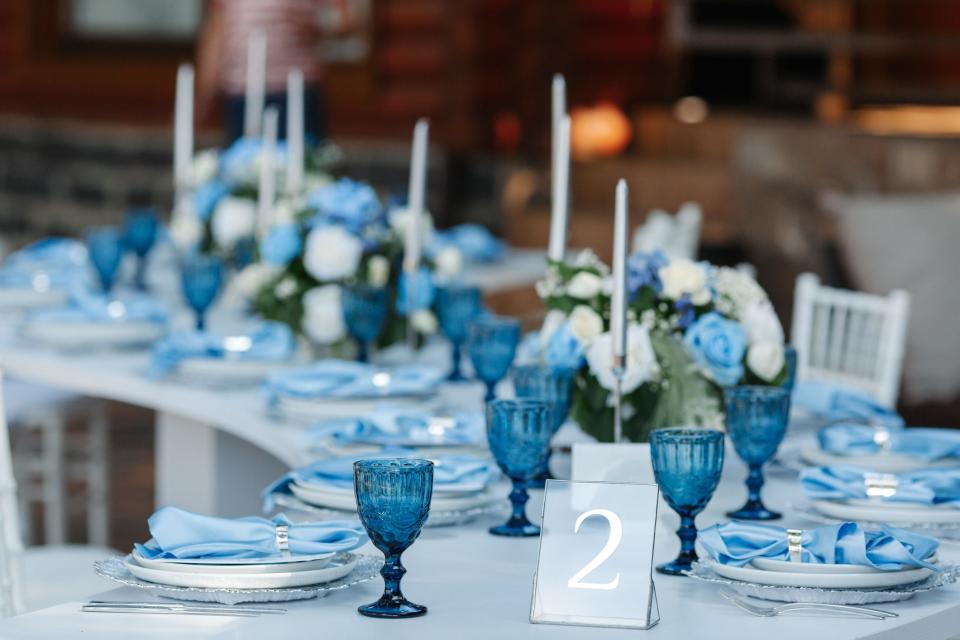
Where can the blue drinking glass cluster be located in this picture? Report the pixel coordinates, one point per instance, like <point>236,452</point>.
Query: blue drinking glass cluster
<point>687,464</point>
<point>393,502</point>
<point>757,420</point>
<point>519,433</point>
<point>105,246</point>
<point>552,384</point>
<point>492,345</point>
<point>457,307</point>
<point>364,312</point>
<point>202,277</point>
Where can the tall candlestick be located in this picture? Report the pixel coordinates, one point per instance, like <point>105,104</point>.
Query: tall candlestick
<point>183,128</point>
<point>294,131</point>
<point>560,169</point>
<point>256,79</point>
<point>417,189</point>
<point>618,303</point>
<point>268,175</point>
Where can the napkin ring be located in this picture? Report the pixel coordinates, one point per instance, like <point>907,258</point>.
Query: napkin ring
<point>882,438</point>
<point>794,544</point>
<point>283,539</point>
<point>880,485</point>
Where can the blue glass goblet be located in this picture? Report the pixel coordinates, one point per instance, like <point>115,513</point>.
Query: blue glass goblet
<point>554,385</point>
<point>790,356</point>
<point>492,345</point>
<point>202,276</point>
<point>757,418</point>
<point>364,310</point>
<point>393,501</point>
<point>687,464</point>
<point>519,433</point>
<point>105,246</point>
<point>457,307</point>
<point>139,234</point>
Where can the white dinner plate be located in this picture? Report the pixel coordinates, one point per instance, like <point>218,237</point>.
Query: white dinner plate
<point>844,510</point>
<point>227,370</point>
<point>344,499</point>
<point>783,566</point>
<point>83,335</point>
<point>16,298</point>
<point>882,462</point>
<point>878,580</point>
<point>275,580</point>
<point>307,563</point>
<point>325,408</point>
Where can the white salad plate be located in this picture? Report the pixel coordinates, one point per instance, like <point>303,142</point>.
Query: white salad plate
<point>229,370</point>
<point>853,580</point>
<point>886,512</point>
<point>212,580</point>
<point>882,462</point>
<point>83,335</point>
<point>783,566</point>
<point>315,409</point>
<point>228,567</point>
<point>344,499</point>
<point>17,298</point>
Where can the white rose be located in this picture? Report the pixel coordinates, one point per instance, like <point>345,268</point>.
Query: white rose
<point>186,231</point>
<point>323,314</point>
<point>400,219</point>
<point>685,277</point>
<point>584,285</point>
<point>378,271</point>
<point>331,253</point>
<point>284,212</point>
<point>585,323</point>
<point>285,288</point>
<point>233,220</point>
<point>244,286</point>
<point>766,360</point>
<point>424,321</point>
<point>449,264</point>
<point>205,166</point>
<point>761,323</point>
<point>553,320</point>
<point>641,361</point>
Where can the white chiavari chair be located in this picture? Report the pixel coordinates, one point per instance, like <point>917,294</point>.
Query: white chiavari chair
<point>849,337</point>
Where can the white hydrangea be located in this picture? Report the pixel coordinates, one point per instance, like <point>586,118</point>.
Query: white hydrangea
<point>551,284</point>
<point>424,321</point>
<point>233,220</point>
<point>323,314</point>
<point>378,271</point>
<point>588,259</point>
<point>244,286</point>
<point>685,277</point>
<point>761,323</point>
<point>585,285</point>
<point>736,291</point>
<point>331,253</point>
<point>186,230</point>
<point>641,361</point>
<point>766,360</point>
<point>585,324</point>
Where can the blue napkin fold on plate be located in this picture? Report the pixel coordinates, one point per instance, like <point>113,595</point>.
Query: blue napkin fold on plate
<point>889,549</point>
<point>49,253</point>
<point>847,439</point>
<point>844,482</point>
<point>267,342</point>
<point>345,379</point>
<point>88,306</point>
<point>404,427</point>
<point>179,534</point>
<point>451,473</point>
<point>475,242</point>
<point>834,403</point>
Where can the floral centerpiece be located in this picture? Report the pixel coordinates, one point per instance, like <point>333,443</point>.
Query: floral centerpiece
<point>693,328</point>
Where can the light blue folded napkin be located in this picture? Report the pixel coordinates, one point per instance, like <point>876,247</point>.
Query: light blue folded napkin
<point>451,474</point>
<point>87,306</point>
<point>405,427</point>
<point>49,253</point>
<point>267,342</point>
<point>475,242</point>
<point>843,482</point>
<point>846,439</point>
<point>179,534</point>
<point>835,403</point>
<point>737,543</point>
<point>345,379</point>
<point>40,278</point>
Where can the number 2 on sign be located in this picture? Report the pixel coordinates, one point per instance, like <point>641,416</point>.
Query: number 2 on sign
<point>613,541</point>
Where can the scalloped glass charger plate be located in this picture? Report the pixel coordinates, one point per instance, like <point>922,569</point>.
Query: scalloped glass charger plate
<point>767,564</point>
<point>238,566</point>
<point>942,530</point>
<point>705,573</point>
<point>345,500</point>
<point>882,462</point>
<point>364,568</point>
<point>821,580</point>
<point>864,510</point>
<point>92,335</point>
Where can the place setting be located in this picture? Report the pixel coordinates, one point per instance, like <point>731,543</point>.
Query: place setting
<point>42,274</point>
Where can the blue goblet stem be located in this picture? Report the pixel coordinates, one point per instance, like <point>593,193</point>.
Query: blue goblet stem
<point>490,395</point>
<point>363,351</point>
<point>201,321</point>
<point>140,277</point>
<point>392,572</point>
<point>518,525</point>
<point>688,553</point>
<point>754,484</point>
<point>455,357</point>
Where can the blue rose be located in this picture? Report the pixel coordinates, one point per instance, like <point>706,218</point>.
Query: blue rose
<point>475,243</point>
<point>206,197</point>
<point>355,204</point>
<point>643,270</point>
<point>564,348</point>
<point>282,244</point>
<point>718,346</point>
<point>423,292</point>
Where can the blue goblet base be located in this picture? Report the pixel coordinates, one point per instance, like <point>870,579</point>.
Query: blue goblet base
<point>456,376</point>
<point>392,607</point>
<point>677,567</point>
<point>754,512</point>
<point>519,530</point>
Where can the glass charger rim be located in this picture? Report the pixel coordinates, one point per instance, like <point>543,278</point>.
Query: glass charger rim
<point>456,516</point>
<point>947,530</point>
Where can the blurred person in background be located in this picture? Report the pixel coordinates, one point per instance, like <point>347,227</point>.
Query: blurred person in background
<point>293,31</point>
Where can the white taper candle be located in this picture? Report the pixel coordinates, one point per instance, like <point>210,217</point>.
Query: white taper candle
<point>268,176</point>
<point>417,190</point>
<point>618,304</point>
<point>256,80</point>
<point>183,128</point>
<point>295,108</point>
<point>560,164</point>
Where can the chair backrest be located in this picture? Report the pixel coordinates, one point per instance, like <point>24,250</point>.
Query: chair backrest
<point>11,545</point>
<point>849,337</point>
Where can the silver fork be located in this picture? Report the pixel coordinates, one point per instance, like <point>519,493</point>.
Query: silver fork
<point>775,610</point>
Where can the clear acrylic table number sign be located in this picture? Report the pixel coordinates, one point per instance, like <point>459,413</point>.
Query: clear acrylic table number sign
<point>596,560</point>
